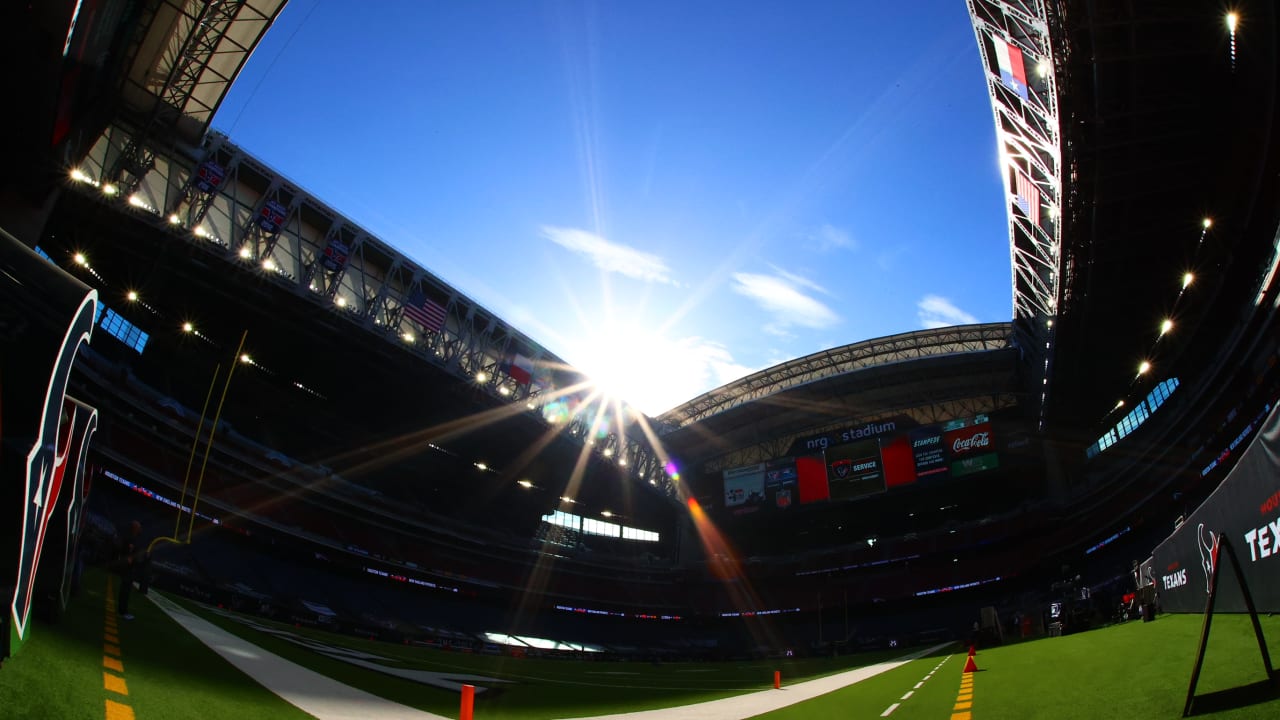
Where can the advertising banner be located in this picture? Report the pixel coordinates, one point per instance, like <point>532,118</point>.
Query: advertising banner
<point>744,486</point>
<point>1245,510</point>
<point>929,452</point>
<point>975,464</point>
<point>271,217</point>
<point>209,176</point>
<point>899,465</point>
<point>854,470</point>
<point>973,440</point>
<point>811,472</point>
<point>781,481</point>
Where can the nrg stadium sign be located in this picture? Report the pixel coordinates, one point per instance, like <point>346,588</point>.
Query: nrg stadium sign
<point>843,436</point>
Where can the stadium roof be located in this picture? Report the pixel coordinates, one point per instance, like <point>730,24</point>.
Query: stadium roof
<point>839,361</point>
<point>188,53</point>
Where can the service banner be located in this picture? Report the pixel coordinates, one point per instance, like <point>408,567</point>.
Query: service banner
<point>1244,510</point>
<point>854,470</point>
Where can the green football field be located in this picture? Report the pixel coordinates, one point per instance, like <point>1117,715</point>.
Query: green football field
<point>157,671</point>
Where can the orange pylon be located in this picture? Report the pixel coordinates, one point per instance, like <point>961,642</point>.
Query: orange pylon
<point>970,666</point>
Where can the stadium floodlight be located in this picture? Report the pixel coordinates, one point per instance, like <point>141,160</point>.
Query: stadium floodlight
<point>1207,223</point>
<point>608,452</point>
<point>1187,279</point>
<point>1233,21</point>
<point>78,175</point>
<point>174,220</point>
<point>1042,68</point>
<point>482,376</point>
<point>245,252</point>
<point>80,259</point>
<point>569,500</point>
<point>341,301</point>
<point>188,327</point>
<point>1166,326</point>
<point>109,189</point>
<point>504,391</point>
<point>132,295</point>
<point>1119,404</point>
<point>268,264</point>
<point>1144,367</point>
<point>606,513</point>
<point>246,359</point>
<point>137,202</point>
<point>622,462</point>
<point>408,336</point>
<point>481,466</point>
<point>524,484</point>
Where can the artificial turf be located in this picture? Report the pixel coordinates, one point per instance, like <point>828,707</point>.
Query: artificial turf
<point>169,675</point>
<point>1135,670</point>
<point>541,689</point>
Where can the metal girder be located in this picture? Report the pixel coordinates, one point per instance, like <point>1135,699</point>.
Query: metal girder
<point>1029,140</point>
<point>370,288</point>
<point>184,58</point>
<point>838,361</point>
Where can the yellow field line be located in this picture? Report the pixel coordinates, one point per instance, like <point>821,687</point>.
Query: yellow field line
<point>112,662</point>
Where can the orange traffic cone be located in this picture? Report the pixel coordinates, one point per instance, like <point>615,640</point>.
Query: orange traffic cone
<point>970,666</point>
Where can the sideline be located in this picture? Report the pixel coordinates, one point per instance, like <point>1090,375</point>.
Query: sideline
<point>328,699</point>
<point>309,691</point>
<point>741,707</point>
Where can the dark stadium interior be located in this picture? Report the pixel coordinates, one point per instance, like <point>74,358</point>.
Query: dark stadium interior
<point>345,467</point>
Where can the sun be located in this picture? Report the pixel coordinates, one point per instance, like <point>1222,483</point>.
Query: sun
<point>638,366</point>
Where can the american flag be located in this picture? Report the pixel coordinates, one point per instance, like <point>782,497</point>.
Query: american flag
<point>1027,196</point>
<point>428,314</point>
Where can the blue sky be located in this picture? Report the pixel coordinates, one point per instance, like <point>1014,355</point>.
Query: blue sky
<point>668,195</point>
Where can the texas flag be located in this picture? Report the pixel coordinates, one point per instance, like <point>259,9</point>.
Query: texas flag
<point>520,368</point>
<point>1012,72</point>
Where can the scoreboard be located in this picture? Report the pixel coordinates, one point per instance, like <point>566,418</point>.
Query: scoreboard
<point>858,462</point>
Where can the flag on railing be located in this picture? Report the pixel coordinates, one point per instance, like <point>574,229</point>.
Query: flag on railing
<point>1027,195</point>
<point>427,313</point>
<point>520,369</point>
<point>1012,71</point>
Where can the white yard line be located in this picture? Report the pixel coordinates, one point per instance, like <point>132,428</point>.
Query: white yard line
<point>752,704</point>
<point>315,694</point>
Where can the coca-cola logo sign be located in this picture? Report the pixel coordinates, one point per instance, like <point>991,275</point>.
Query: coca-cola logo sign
<point>970,440</point>
<point>979,440</point>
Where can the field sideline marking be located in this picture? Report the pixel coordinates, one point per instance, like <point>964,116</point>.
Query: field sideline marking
<point>309,691</point>
<point>913,690</point>
<point>752,704</point>
<point>111,660</point>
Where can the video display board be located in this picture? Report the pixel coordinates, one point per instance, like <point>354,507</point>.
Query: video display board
<point>744,486</point>
<point>854,469</point>
<point>860,461</point>
<point>781,483</point>
<point>929,454</point>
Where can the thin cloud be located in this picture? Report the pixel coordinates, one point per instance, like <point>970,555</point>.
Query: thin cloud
<point>610,256</point>
<point>829,237</point>
<point>799,281</point>
<point>935,311</point>
<point>782,296</point>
